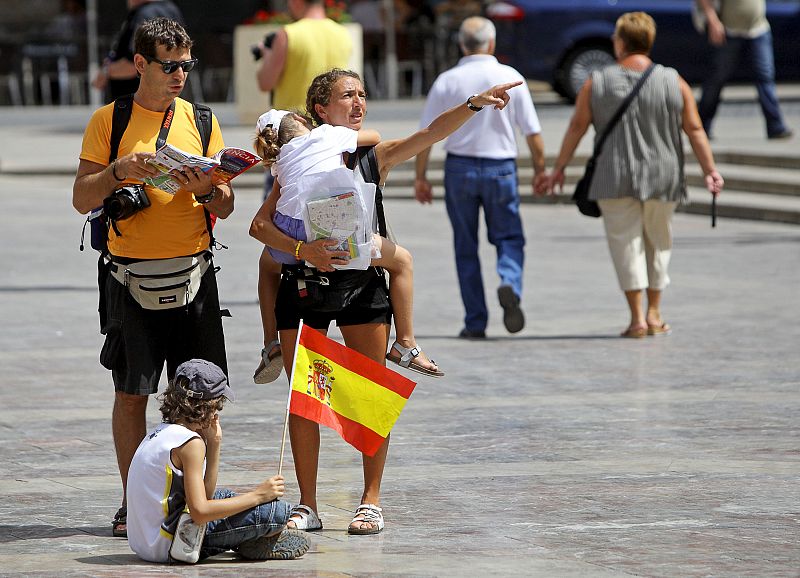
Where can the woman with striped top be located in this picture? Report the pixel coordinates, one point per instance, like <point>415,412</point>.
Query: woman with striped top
<point>639,179</point>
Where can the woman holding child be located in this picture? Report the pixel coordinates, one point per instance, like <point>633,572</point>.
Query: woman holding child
<point>337,98</point>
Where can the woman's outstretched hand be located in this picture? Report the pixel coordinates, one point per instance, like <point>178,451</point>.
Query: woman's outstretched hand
<point>497,95</point>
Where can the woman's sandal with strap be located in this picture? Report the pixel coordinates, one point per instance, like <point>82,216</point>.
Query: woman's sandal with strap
<point>271,364</point>
<point>366,514</point>
<point>304,518</point>
<point>407,359</point>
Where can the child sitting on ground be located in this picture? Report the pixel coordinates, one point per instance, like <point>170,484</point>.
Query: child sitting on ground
<point>320,149</point>
<point>175,469</point>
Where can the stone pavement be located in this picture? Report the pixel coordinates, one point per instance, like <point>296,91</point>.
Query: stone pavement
<point>560,451</point>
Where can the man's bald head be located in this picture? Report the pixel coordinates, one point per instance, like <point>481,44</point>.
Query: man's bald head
<point>477,35</point>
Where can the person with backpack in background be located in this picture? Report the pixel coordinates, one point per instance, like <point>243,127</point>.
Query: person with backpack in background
<point>158,290</point>
<point>118,75</point>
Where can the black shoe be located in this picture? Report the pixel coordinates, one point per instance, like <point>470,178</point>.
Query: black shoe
<point>467,334</point>
<point>513,318</point>
<point>787,134</point>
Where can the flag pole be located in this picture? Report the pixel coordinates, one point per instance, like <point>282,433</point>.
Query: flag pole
<point>289,398</point>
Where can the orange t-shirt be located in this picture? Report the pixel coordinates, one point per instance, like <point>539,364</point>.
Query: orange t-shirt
<point>173,225</point>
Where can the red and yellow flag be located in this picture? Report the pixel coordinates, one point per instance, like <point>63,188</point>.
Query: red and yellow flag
<point>346,391</point>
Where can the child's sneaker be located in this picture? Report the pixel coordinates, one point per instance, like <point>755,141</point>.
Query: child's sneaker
<point>287,545</point>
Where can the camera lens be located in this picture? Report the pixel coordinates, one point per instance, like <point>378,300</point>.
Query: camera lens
<point>125,202</point>
<point>118,207</point>
<point>255,50</point>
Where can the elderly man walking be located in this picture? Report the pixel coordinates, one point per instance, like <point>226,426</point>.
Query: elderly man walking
<point>481,171</point>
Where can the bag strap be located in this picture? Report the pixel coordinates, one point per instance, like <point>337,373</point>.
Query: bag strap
<point>620,111</point>
<point>368,163</point>
<point>202,118</point>
<point>123,107</point>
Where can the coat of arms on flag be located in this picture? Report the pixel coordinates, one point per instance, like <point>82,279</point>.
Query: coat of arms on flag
<point>346,391</point>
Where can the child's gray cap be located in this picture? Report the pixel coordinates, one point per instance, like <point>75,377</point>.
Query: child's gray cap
<point>205,380</point>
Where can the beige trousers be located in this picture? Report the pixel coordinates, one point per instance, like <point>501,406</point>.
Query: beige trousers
<point>639,238</point>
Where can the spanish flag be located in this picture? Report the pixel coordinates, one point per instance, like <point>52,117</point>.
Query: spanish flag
<point>346,391</point>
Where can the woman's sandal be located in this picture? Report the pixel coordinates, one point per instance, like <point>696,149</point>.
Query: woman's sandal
<point>366,514</point>
<point>119,525</point>
<point>304,518</point>
<point>663,329</point>
<point>269,368</point>
<point>407,359</point>
<point>636,333</point>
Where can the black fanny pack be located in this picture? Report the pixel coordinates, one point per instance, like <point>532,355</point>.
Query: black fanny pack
<point>327,292</point>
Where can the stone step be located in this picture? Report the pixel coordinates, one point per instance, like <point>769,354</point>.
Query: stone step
<point>754,179</point>
<point>731,204</point>
<point>757,180</point>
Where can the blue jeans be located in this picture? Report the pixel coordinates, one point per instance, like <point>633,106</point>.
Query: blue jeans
<point>227,533</point>
<point>757,52</point>
<point>471,183</point>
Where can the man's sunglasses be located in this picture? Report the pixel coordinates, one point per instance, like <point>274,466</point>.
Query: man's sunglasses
<point>170,66</point>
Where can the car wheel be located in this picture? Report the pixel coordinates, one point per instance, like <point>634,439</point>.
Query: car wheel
<point>579,64</point>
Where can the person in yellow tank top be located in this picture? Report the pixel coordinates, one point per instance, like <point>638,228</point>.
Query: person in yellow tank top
<point>184,321</point>
<point>299,51</point>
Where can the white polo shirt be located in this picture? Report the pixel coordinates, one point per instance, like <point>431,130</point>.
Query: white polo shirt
<point>490,132</point>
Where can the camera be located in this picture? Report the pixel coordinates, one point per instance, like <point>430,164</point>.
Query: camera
<point>125,202</point>
<point>256,49</point>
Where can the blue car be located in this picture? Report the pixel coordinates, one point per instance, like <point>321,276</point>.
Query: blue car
<point>562,41</point>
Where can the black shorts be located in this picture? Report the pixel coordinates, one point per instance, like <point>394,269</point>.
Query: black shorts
<point>370,306</point>
<point>139,341</point>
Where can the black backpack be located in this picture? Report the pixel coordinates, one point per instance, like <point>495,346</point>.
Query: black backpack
<point>123,107</point>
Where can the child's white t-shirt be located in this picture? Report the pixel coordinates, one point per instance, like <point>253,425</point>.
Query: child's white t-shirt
<point>156,496</point>
<point>318,151</point>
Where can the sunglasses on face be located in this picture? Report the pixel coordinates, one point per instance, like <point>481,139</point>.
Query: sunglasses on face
<point>170,66</point>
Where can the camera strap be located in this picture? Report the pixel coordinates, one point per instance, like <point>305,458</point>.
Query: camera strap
<point>166,123</point>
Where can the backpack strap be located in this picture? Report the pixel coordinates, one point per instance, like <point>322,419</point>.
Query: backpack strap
<point>123,107</point>
<point>204,124</point>
<point>202,118</point>
<point>368,163</point>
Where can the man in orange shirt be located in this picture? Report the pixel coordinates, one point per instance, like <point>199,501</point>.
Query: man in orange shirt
<point>152,229</point>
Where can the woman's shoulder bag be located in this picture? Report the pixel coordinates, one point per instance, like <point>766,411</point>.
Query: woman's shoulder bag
<point>581,198</point>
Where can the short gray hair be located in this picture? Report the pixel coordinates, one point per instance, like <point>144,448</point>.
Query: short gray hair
<point>475,34</point>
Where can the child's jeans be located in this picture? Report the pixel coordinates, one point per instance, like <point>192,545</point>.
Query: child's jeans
<point>228,533</point>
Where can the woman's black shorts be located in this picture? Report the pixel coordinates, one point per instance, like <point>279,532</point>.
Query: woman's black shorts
<point>371,305</point>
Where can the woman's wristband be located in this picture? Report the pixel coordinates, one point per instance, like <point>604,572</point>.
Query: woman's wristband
<point>297,249</point>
